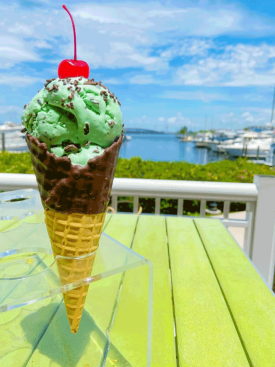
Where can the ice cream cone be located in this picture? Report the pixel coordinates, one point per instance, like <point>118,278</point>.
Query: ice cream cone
<point>75,199</point>
<point>74,235</point>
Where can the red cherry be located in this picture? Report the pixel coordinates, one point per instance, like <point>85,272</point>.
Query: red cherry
<point>72,68</point>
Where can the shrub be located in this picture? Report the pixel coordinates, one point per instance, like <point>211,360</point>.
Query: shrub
<point>240,170</point>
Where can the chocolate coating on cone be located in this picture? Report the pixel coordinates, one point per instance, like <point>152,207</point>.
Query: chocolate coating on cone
<point>69,188</point>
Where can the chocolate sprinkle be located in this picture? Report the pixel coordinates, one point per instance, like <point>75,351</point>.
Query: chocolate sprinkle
<point>88,143</point>
<point>71,96</point>
<point>70,148</point>
<point>90,83</point>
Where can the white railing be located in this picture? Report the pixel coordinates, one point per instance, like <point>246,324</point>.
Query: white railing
<point>259,196</point>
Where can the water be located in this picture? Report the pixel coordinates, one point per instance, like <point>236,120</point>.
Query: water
<point>161,147</point>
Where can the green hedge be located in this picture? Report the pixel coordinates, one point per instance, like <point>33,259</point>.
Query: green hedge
<point>224,171</point>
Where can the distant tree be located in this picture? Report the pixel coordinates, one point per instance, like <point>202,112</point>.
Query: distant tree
<point>246,129</point>
<point>183,130</point>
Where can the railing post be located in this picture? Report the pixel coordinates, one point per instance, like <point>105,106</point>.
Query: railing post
<point>263,249</point>
<point>249,230</point>
<point>135,204</point>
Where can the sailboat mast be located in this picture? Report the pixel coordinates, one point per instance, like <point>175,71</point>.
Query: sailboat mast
<point>273,106</point>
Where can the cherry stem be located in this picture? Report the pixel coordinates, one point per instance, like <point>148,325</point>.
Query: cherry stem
<point>64,7</point>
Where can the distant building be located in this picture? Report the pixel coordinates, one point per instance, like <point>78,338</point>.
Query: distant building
<point>259,128</point>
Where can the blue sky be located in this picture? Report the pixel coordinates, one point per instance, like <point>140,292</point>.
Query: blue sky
<point>171,63</point>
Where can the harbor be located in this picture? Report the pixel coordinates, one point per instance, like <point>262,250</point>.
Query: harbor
<point>255,143</point>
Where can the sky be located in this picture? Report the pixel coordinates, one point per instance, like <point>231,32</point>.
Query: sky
<point>201,64</point>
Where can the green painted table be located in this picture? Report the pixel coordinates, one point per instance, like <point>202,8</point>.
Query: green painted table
<point>211,307</point>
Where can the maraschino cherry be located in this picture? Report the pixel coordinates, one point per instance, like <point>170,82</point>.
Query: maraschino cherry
<point>72,68</point>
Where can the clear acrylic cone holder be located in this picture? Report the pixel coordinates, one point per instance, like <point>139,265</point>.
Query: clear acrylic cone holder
<point>116,324</point>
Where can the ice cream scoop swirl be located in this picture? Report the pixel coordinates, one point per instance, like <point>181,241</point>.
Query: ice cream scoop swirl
<point>75,117</point>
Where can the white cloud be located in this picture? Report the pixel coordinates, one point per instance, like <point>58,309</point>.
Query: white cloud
<point>11,113</point>
<point>248,116</point>
<point>251,116</point>
<point>18,81</point>
<point>5,109</point>
<point>161,119</point>
<point>113,81</point>
<point>239,65</point>
<point>122,35</point>
<point>179,120</point>
<point>189,96</point>
<point>189,47</point>
<point>13,50</point>
<point>142,79</point>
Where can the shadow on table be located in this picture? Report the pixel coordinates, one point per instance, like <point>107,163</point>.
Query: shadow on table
<point>58,344</point>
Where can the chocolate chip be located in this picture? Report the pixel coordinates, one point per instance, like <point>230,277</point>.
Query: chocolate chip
<point>116,138</point>
<point>23,130</point>
<point>71,116</point>
<point>86,129</point>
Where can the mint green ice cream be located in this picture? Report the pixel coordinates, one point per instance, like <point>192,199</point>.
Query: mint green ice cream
<point>76,117</point>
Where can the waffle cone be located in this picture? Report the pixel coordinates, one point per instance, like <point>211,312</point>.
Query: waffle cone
<point>74,235</point>
<point>75,199</point>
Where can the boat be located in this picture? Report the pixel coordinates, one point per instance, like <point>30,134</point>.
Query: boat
<point>255,148</point>
<point>127,137</point>
<point>203,140</point>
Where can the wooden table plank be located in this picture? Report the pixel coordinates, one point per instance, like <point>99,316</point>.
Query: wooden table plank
<point>150,242</point>
<point>251,303</point>
<point>206,335</point>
